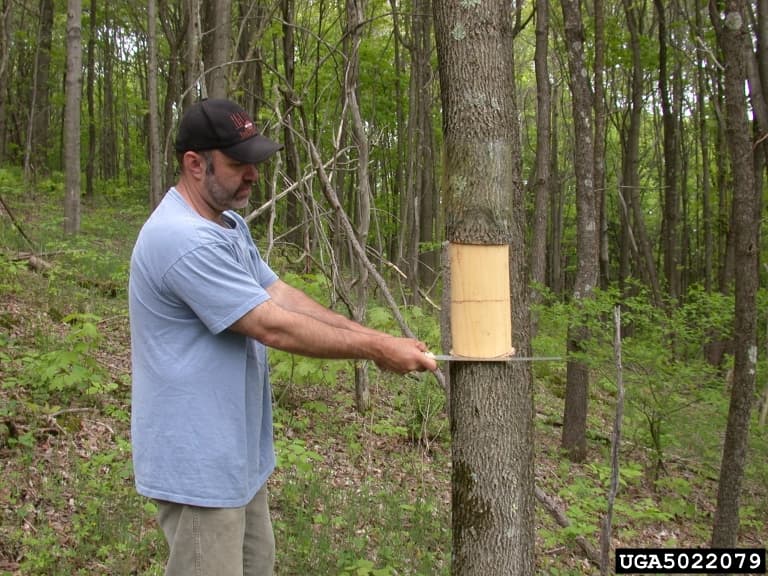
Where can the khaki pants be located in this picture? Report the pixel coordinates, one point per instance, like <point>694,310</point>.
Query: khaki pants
<point>218,541</point>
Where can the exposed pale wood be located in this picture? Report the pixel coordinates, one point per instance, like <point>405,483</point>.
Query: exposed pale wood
<point>481,325</point>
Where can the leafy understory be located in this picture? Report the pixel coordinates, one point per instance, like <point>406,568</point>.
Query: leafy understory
<point>353,494</point>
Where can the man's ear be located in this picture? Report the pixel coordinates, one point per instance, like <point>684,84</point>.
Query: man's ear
<point>194,164</point>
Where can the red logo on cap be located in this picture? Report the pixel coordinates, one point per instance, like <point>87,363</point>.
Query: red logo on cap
<point>243,124</point>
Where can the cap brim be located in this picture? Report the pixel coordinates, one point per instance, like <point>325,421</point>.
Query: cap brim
<point>254,150</point>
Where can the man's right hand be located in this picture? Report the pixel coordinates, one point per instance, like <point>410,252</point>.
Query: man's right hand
<point>403,355</point>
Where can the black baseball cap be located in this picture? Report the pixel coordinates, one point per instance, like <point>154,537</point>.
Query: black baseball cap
<point>220,124</point>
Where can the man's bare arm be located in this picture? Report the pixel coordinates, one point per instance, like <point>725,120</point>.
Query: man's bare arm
<point>305,334</point>
<point>297,301</point>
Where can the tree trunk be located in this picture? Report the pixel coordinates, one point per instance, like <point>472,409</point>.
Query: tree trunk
<point>90,161</point>
<point>541,185</point>
<point>355,21</point>
<point>732,33</point>
<point>40,113</point>
<point>635,216</point>
<point>555,279</point>
<point>574,439</point>
<point>5,53</point>
<point>705,184</point>
<point>155,155</point>
<point>429,204</point>
<point>217,47</point>
<point>600,136</point>
<point>397,204</point>
<point>420,195</point>
<point>72,118</point>
<point>110,153</point>
<point>293,207</point>
<point>491,404</point>
<point>194,81</point>
<point>670,225</point>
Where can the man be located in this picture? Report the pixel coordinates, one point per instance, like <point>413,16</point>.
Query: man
<point>203,308</point>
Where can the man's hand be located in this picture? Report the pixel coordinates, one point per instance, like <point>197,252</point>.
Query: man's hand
<point>402,355</point>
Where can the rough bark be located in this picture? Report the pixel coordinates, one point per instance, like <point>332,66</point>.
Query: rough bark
<point>491,404</point>
<point>538,250</point>
<point>574,438</point>
<point>39,112</point>
<point>670,225</point>
<point>90,161</point>
<point>291,154</point>
<point>72,117</point>
<point>155,156</point>
<point>355,19</point>
<point>600,137</point>
<point>731,32</point>
<point>217,47</point>
<point>635,216</point>
<point>194,83</point>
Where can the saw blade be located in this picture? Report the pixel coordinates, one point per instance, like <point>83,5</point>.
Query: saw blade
<point>504,359</point>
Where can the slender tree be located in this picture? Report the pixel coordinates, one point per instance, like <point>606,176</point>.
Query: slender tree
<point>705,177</point>
<point>355,20</point>
<point>39,112</point>
<point>194,81</point>
<point>155,153</point>
<point>636,241</point>
<point>574,439</point>
<point>419,201</point>
<point>90,88</point>
<point>600,137</point>
<point>491,404</point>
<point>72,117</point>
<point>5,56</point>
<point>291,154</point>
<point>671,159</point>
<point>217,47</point>
<point>541,186</point>
<point>732,34</point>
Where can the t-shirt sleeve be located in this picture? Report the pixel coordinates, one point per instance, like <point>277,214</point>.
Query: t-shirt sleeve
<point>216,286</point>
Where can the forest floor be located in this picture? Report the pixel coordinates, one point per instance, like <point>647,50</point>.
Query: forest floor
<point>353,494</point>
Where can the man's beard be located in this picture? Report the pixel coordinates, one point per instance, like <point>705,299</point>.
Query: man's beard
<point>224,198</point>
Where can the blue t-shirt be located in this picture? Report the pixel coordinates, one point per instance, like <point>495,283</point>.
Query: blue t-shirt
<point>201,415</point>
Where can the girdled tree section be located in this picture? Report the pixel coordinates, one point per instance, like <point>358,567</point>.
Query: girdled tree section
<point>491,404</point>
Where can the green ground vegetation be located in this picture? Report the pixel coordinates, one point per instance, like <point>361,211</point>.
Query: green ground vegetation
<point>369,494</point>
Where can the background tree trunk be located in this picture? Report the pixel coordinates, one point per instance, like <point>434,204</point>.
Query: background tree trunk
<point>732,32</point>
<point>541,184</point>
<point>90,161</point>
<point>599,149</point>
<point>293,206</point>
<point>72,118</point>
<point>355,22</point>
<point>419,202</point>
<point>5,54</point>
<point>491,404</point>
<point>555,280</point>
<point>574,439</point>
<point>217,47</point>
<point>40,113</point>
<point>670,226</point>
<point>639,243</point>
<point>155,154</point>
<point>194,81</point>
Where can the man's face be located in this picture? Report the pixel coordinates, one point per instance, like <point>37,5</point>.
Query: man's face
<point>227,181</point>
